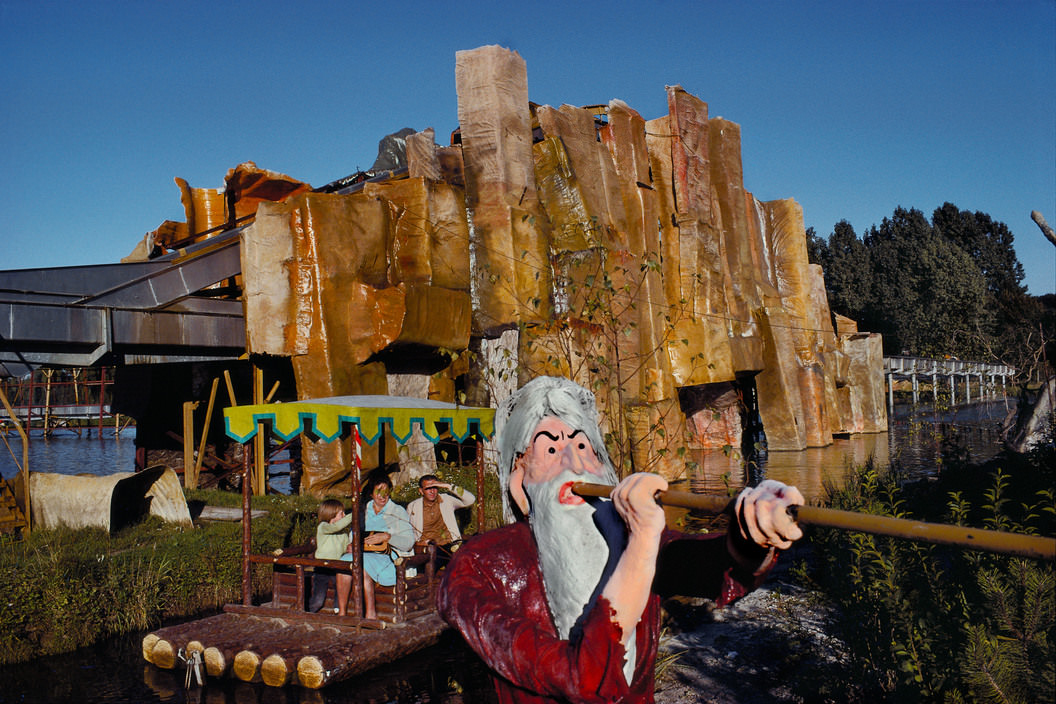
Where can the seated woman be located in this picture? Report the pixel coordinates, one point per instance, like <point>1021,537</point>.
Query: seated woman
<point>385,521</point>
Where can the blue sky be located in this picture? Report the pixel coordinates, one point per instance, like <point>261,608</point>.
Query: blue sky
<point>851,108</point>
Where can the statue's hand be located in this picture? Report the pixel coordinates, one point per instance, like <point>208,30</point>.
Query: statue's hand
<point>635,500</point>
<point>763,516</point>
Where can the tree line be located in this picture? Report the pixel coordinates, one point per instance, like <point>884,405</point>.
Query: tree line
<point>951,286</point>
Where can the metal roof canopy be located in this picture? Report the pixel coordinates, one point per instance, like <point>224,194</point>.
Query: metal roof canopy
<point>154,311</point>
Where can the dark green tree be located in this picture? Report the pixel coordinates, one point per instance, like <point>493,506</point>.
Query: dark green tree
<point>849,278</point>
<point>928,296</point>
<point>817,250</point>
<point>952,286</point>
<point>990,244</point>
<point>1013,313</point>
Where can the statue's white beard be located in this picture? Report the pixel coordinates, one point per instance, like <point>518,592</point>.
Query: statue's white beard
<point>572,550</point>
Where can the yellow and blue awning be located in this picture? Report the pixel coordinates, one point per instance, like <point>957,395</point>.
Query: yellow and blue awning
<point>328,418</point>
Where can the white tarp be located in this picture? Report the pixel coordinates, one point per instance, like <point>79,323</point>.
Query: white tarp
<point>110,501</point>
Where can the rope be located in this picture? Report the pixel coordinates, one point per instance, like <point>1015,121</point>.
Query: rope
<point>194,667</point>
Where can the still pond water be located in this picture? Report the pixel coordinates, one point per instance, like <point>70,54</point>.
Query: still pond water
<point>115,672</point>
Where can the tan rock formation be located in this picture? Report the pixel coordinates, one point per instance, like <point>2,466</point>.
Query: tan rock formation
<point>623,253</point>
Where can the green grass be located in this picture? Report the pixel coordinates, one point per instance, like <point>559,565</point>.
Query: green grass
<point>63,589</point>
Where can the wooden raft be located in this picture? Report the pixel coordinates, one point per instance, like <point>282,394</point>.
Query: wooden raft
<point>280,643</point>
<point>278,652</point>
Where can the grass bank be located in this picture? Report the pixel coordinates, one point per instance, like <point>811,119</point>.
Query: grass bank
<point>63,589</point>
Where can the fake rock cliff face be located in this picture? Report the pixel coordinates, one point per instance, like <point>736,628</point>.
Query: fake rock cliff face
<point>584,242</point>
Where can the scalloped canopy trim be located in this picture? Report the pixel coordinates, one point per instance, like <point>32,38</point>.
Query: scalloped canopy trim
<point>328,418</point>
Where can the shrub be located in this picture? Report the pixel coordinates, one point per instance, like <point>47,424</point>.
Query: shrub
<point>944,623</point>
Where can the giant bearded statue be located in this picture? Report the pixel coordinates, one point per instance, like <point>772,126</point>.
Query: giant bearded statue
<point>566,606</point>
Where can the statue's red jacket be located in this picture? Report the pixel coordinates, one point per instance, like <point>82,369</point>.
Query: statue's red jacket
<point>492,592</point>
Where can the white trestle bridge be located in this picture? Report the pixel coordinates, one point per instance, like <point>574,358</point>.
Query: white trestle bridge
<point>954,373</point>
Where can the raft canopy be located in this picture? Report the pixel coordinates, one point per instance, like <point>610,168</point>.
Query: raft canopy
<point>327,419</point>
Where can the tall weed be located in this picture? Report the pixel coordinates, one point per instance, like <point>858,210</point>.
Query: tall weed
<point>931,623</point>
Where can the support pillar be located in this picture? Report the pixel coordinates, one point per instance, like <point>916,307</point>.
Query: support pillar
<point>188,444</point>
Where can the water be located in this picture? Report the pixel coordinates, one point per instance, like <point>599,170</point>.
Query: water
<point>913,444</point>
<point>67,453</point>
<point>115,672</point>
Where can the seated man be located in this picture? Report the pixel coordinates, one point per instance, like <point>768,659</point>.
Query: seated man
<point>566,606</point>
<point>433,515</point>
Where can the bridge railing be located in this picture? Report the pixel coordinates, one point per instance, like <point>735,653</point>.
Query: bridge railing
<point>906,366</point>
<point>53,398</point>
<point>950,369</point>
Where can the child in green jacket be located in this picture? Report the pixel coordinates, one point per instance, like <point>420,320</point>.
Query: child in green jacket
<point>331,541</point>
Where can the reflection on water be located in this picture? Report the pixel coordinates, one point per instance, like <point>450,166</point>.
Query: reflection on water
<point>914,444</point>
<point>67,453</point>
<point>115,672</point>
<point>810,470</point>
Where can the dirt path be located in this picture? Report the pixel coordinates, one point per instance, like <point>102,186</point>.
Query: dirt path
<point>772,646</point>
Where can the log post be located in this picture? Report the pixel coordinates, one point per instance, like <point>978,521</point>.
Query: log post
<point>247,574</point>
<point>188,441</point>
<point>400,610</point>
<point>355,598</point>
<point>480,485</point>
<point>260,465</point>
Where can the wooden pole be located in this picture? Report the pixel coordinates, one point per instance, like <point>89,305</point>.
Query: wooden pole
<point>247,535</point>
<point>29,402</point>
<point>102,397</point>
<point>274,388</point>
<point>188,441</point>
<point>47,402</point>
<point>943,534</point>
<point>355,597</point>
<point>25,455</point>
<point>230,387</point>
<point>480,485</point>
<point>260,458</point>
<point>191,482</point>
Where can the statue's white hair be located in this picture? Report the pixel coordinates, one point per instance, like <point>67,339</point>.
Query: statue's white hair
<point>519,415</point>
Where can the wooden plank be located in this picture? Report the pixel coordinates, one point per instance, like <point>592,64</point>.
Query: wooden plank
<point>191,480</point>
<point>188,440</point>
<point>227,513</point>
<point>341,660</point>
